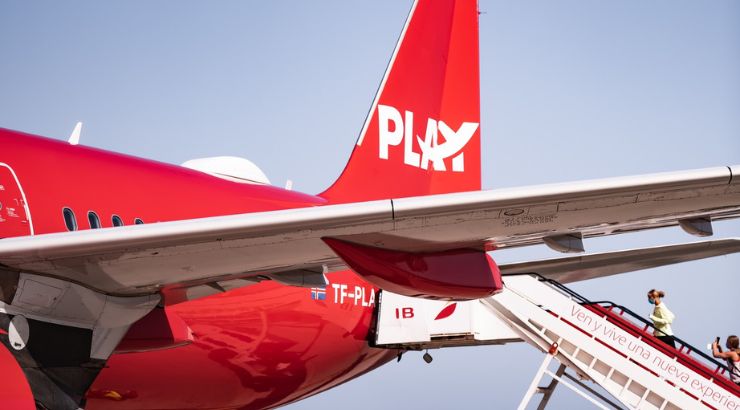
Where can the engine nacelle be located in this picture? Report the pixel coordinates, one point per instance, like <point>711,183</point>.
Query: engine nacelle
<point>458,274</point>
<point>230,168</point>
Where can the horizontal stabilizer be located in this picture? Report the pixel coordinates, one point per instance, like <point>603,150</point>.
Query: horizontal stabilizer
<point>577,268</point>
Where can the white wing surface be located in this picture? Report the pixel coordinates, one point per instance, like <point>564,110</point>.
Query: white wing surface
<point>144,259</point>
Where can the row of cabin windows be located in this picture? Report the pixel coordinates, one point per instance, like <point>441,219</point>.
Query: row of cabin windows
<point>92,218</point>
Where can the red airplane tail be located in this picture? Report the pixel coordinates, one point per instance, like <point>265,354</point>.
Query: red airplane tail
<point>422,134</point>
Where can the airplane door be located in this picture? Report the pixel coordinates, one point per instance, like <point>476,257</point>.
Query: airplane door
<point>15,218</point>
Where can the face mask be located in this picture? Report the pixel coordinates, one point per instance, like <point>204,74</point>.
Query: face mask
<point>651,301</point>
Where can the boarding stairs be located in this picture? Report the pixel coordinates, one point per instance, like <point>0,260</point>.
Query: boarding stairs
<point>610,346</point>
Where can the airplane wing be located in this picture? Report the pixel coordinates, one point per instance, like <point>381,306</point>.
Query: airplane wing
<point>241,249</point>
<point>578,268</point>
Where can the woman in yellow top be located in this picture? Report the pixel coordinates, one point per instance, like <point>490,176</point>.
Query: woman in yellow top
<point>661,317</point>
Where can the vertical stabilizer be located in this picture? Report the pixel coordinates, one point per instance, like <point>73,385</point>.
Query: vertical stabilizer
<point>422,134</point>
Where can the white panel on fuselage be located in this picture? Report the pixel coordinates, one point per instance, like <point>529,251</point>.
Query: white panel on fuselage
<point>423,323</point>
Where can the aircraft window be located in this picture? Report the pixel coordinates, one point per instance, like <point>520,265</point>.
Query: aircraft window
<point>116,220</point>
<point>138,221</point>
<point>69,219</point>
<point>92,217</point>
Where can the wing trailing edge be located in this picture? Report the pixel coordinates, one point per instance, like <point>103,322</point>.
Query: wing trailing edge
<point>597,265</point>
<point>143,259</point>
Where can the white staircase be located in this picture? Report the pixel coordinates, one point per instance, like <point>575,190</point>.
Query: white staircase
<point>627,366</point>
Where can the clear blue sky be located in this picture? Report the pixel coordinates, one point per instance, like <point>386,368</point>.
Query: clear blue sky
<point>570,90</point>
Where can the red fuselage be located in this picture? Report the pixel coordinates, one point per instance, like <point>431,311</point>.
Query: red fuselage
<point>255,347</point>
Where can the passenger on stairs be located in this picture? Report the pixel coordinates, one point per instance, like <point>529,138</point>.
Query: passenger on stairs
<point>661,317</point>
<point>732,355</point>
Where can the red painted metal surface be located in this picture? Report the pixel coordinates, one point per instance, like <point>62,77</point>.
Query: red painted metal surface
<point>54,175</point>
<point>160,329</point>
<point>268,344</point>
<point>13,218</point>
<point>254,347</point>
<point>14,390</point>
<point>434,77</point>
<point>460,274</point>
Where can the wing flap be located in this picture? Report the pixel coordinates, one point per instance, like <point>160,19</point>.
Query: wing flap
<point>523,216</point>
<point>578,268</point>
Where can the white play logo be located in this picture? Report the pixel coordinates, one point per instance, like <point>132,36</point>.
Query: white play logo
<point>431,151</point>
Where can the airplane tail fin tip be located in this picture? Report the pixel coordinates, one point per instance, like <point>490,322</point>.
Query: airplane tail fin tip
<point>422,134</point>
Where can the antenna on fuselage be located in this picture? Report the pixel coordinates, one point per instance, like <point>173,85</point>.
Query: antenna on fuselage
<point>74,137</point>
<point>427,357</point>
